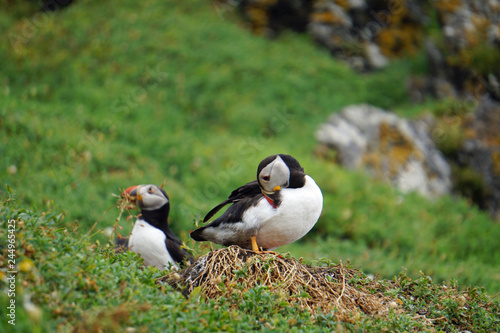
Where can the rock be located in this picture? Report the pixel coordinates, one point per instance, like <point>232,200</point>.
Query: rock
<point>481,152</point>
<point>53,5</point>
<point>365,34</point>
<point>373,30</point>
<point>388,147</point>
<point>374,56</point>
<point>466,62</point>
<point>271,17</point>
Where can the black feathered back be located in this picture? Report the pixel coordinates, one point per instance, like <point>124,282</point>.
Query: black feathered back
<point>251,193</point>
<point>248,190</point>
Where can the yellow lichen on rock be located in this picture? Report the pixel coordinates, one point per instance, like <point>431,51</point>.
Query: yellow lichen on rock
<point>392,154</point>
<point>496,162</point>
<point>448,6</point>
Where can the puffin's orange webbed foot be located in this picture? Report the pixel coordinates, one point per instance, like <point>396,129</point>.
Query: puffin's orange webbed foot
<point>256,248</point>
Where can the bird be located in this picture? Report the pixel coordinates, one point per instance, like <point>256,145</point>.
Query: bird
<point>278,208</point>
<point>151,236</point>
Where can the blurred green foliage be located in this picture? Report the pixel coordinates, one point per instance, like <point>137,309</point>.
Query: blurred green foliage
<point>144,93</point>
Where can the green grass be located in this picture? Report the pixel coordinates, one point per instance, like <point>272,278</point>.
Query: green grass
<point>102,96</point>
<point>80,285</point>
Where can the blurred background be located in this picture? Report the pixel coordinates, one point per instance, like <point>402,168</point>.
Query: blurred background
<point>391,106</point>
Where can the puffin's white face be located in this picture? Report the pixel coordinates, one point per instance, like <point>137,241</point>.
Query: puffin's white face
<point>275,176</point>
<point>147,197</point>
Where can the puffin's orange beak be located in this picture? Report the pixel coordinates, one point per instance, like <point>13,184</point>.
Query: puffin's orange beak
<point>130,194</point>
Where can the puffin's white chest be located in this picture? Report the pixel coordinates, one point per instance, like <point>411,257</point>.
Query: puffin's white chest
<point>149,242</point>
<point>295,216</point>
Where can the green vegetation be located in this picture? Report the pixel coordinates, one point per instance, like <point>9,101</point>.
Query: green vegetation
<point>71,283</point>
<point>102,96</point>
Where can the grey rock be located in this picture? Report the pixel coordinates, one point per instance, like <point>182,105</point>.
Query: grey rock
<point>374,57</point>
<point>481,152</point>
<point>389,147</point>
<point>471,24</point>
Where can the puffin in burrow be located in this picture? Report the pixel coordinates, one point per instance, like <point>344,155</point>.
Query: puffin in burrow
<point>278,208</point>
<point>151,236</point>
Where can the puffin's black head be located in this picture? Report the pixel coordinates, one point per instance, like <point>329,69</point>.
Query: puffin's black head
<point>279,171</point>
<point>149,198</point>
<point>153,202</point>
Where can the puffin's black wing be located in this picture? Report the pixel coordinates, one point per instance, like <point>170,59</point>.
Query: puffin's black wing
<point>246,191</point>
<point>233,214</point>
<point>174,247</point>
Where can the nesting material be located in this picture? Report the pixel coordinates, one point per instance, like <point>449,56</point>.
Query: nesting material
<point>124,204</point>
<point>231,270</point>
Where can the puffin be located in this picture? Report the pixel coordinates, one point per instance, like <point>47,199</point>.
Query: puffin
<point>151,236</point>
<point>278,208</point>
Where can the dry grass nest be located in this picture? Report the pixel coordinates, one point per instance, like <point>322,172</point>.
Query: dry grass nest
<point>227,271</point>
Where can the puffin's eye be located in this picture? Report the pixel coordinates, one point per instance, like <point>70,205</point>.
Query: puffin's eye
<point>265,178</point>
<point>150,190</point>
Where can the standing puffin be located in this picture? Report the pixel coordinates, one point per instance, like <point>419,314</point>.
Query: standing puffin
<point>151,237</point>
<point>278,208</point>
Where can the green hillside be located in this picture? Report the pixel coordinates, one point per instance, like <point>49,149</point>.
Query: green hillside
<point>105,95</point>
